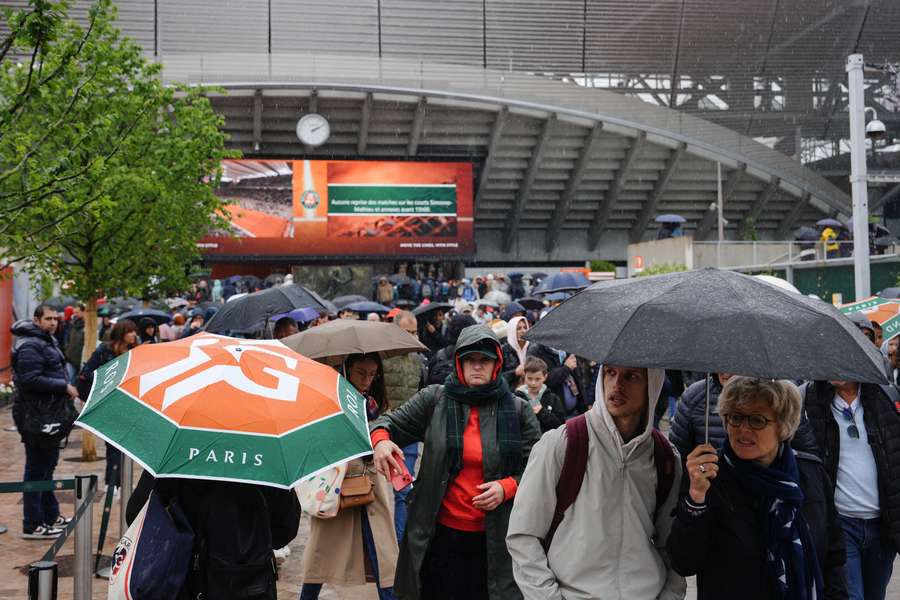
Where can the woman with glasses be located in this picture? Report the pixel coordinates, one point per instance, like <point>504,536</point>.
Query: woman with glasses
<point>758,520</point>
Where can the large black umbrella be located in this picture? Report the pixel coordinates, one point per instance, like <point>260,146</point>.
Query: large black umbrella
<point>159,317</point>
<point>714,322</point>
<point>342,301</point>
<point>424,309</point>
<point>60,302</point>
<point>250,313</point>
<point>531,303</point>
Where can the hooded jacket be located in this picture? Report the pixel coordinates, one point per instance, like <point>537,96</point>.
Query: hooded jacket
<point>38,363</point>
<point>620,549</point>
<point>423,419</point>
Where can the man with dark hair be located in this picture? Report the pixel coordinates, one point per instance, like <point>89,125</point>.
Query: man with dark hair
<point>284,327</point>
<point>40,376</point>
<point>75,342</point>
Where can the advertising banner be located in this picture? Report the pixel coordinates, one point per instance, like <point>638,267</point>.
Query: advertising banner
<point>365,209</point>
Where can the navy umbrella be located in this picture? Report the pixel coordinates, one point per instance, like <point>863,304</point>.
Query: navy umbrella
<point>423,309</point>
<point>806,234</point>
<point>830,223</point>
<point>367,306</point>
<point>562,282</point>
<point>250,313</point>
<point>670,219</point>
<point>158,316</point>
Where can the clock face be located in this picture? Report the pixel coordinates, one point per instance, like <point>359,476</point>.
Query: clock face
<point>313,129</point>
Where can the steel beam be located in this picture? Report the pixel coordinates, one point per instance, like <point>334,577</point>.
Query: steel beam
<point>568,197</point>
<point>885,197</point>
<point>791,219</point>
<point>612,195</point>
<point>493,144</point>
<point>363,139</point>
<point>257,119</point>
<point>534,165</point>
<point>762,199</point>
<point>637,232</point>
<point>418,124</point>
<point>734,178</point>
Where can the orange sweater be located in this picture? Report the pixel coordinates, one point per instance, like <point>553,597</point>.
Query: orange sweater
<point>457,511</point>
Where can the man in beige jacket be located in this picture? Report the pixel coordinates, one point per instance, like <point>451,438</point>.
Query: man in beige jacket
<point>607,545</point>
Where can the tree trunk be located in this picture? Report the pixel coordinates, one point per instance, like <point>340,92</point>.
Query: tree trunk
<point>88,445</point>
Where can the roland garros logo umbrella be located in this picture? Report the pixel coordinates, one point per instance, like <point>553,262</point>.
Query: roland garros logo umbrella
<point>214,407</point>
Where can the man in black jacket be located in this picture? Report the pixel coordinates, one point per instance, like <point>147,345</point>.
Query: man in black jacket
<point>40,376</point>
<point>858,430</point>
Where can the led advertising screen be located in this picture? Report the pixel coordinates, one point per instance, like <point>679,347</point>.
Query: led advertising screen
<point>324,208</point>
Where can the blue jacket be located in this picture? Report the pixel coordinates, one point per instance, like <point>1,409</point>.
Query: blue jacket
<point>38,363</point>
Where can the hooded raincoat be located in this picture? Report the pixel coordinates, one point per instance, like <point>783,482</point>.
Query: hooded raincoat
<point>423,419</point>
<point>607,545</point>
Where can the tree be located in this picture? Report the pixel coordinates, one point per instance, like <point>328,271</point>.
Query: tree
<point>108,175</point>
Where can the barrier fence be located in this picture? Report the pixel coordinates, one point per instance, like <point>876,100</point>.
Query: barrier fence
<point>43,575</point>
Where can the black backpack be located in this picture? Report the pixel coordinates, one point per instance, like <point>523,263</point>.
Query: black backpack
<point>232,557</point>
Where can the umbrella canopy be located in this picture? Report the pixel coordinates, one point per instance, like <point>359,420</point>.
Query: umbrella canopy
<point>539,275</point>
<point>159,317</point>
<point>498,297</point>
<point>714,322</point>
<point>484,302</point>
<point>670,219</point>
<point>806,234</point>
<point>423,309</point>
<point>557,296</point>
<point>778,282</point>
<point>301,315</point>
<point>562,282</point>
<point>250,313</point>
<point>367,306</point>
<point>878,309</point>
<point>886,241</point>
<point>531,303</point>
<point>213,407</point>
<point>890,293</point>
<point>60,302</point>
<point>176,302</point>
<point>342,301</point>
<point>334,341</point>
<point>830,223</point>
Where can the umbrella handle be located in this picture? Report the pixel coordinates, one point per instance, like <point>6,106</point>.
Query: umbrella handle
<point>706,420</point>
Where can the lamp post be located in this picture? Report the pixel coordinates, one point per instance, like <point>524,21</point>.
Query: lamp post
<point>858,185</point>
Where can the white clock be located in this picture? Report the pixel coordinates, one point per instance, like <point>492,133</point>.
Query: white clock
<point>313,129</point>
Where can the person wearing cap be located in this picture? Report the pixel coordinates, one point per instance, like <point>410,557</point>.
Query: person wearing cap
<point>477,438</point>
<point>857,429</point>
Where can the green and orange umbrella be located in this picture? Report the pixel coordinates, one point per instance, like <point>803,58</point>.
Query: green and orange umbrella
<point>228,409</point>
<point>884,311</point>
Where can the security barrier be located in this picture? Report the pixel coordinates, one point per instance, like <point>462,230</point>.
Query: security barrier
<point>43,574</point>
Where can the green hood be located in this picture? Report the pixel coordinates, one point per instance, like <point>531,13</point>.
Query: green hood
<point>475,334</point>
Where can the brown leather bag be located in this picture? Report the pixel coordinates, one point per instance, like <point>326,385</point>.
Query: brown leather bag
<point>357,490</point>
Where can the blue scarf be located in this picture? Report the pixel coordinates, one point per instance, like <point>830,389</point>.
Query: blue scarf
<point>790,553</point>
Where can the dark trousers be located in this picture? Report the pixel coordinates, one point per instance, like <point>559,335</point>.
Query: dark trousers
<point>113,475</point>
<point>455,566</point>
<point>41,508</point>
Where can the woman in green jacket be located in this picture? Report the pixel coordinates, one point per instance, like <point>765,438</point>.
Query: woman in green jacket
<point>477,437</point>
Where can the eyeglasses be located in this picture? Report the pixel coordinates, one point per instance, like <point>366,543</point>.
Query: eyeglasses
<point>852,430</point>
<point>755,422</point>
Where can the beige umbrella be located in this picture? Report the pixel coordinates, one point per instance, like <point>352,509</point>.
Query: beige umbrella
<point>334,341</point>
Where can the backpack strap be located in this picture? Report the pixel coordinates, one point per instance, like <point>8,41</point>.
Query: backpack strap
<point>664,460</point>
<point>572,474</point>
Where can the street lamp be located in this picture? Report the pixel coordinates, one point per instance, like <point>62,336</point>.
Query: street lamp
<point>858,184</point>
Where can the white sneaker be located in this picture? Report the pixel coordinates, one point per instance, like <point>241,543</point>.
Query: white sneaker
<point>41,532</point>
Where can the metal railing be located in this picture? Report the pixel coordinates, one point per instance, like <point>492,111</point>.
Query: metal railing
<point>43,575</point>
<point>749,254</point>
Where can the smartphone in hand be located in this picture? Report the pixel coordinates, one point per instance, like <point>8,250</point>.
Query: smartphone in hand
<point>402,478</point>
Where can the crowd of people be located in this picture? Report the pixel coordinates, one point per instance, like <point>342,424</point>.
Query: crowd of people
<point>541,474</point>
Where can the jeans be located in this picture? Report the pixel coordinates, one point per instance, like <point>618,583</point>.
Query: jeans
<point>310,591</point>
<point>870,561</point>
<point>41,508</point>
<point>410,455</point>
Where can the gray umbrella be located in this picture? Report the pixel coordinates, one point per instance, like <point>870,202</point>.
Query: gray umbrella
<point>251,312</point>
<point>714,322</point>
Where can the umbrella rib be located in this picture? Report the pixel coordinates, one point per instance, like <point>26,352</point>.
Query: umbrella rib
<point>758,329</point>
